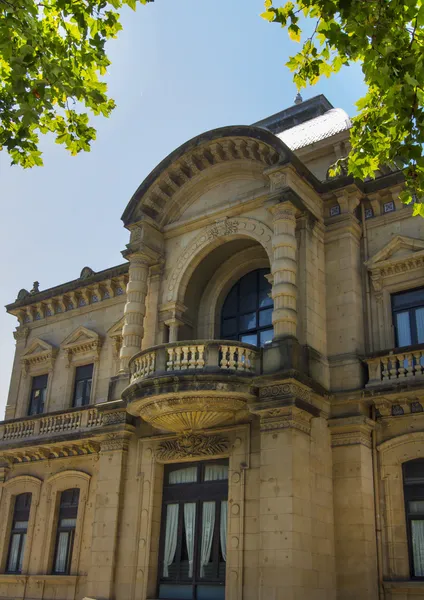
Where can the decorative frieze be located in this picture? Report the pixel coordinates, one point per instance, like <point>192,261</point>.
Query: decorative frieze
<point>58,450</point>
<point>192,445</point>
<point>39,355</point>
<point>285,389</point>
<point>114,443</point>
<point>222,227</point>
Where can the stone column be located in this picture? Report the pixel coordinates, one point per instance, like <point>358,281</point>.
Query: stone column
<point>283,268</point>
<point>135,308</point>
<point>354,512</point>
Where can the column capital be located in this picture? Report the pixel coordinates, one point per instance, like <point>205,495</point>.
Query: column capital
<point>143,256</point>
<point>288,417</point>
<point>283,211</point>
<point>350,431</point>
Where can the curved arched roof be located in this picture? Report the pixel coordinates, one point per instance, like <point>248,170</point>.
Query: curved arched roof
<point>218,145</point>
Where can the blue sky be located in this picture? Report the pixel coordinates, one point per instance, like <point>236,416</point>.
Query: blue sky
<point>178,68</point>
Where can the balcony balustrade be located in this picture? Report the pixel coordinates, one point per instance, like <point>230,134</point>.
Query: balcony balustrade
<point>41,427</point>
<point>189,385</point>
<point>199,355</point>
<point>396,367</point>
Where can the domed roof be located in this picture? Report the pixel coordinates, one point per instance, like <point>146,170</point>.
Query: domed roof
<point>314,130</point>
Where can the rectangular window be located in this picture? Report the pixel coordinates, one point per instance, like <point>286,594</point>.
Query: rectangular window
<point>413,479</point>
<point>38,395</point>
<point>194,531</point>
<point>67,520</point>
<point>408,317</point>
<point>18,533</point>
<point>83,380</point>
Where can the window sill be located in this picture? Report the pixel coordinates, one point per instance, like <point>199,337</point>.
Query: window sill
<point>412,587</point>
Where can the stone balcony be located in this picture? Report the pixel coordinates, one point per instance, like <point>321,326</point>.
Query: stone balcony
<point>396,367</point>
<point>190,385</point>
<point>71,432</point>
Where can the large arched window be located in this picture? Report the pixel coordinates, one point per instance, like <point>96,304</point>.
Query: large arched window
<point>247,310</point>
<point>413,481</point>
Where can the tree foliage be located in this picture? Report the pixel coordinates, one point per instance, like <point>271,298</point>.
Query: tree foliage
<point>52,57</point>
<point>387,38</point>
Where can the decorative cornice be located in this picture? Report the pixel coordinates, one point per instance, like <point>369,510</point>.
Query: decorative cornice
<point>192,445</point>
<point>289,417</point>
<point>39,354</point>
<point>284,389</point>
<point>82,341</point>
<point>351,431</point>
<point>57,450</point>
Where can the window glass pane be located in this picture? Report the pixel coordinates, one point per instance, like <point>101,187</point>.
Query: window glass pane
<point>248,321</point>
<point>264,284</point>
<point>61,552</point>
<point>419,316</point>
<point>39,382</point>
<point>84,372</point>
<point>12,565</point>
<point>230,305</point>
<point>187,475</point>
<point>21,555</point>
<point>403,329</point>
<point>414,471</point>
<point>79,393</point>
<point>266,336</point>
<point>216,472</point>
<point>20,525</point>
<point>171,537</point>
<point>176,592</point>
<point>264,299</point>
<point>248,292</point>
<point>408,299</point>
<point>249,339</point>
<point>265,317</point>
<point>418,547</point>
<point>87,392</point>
<point>208,525</point>
<point>223,530</point>
<point>229,326</point>
<point>210,592</point>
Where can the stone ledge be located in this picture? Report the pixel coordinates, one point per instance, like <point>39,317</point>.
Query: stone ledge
<point>411,588</point>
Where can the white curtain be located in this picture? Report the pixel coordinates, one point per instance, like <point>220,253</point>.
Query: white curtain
<point>418,547</point>
<point>216,472</point>
<point>208,524</point>
<point>171,533</point>
<point>13,553</point>
<point>403,329</point>
<point>419,315</point>
<point>61,552</point>
<point>223,529</point>
<point>189,525</point>
<point>188,475</point>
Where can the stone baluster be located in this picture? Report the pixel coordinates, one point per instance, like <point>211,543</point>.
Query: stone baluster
<point>283,268</point>
<point>135,308</point>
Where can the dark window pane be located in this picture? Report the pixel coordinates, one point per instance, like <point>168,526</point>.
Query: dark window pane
<point>265,317</point>
<point>408,299</point>
<point>39,382</point>
<point>18,533</point>
<point>264,299</point>
<point>417,534</point>
<point>229,326</point>
<point>67,520</point>
<point>266,336</point>
<point>248,292</point>
<point>85,372</point>
<point>264,284</point>
<point>38,395</point>
<point>248,321</point>
<point>249,339</point>
<point>230,305</point>
<point>79,393</point>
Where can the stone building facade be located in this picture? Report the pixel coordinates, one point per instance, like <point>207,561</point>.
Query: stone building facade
<point>236,411</point>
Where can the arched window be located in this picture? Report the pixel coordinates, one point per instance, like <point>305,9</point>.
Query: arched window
<point>18,533</point>
<point>247,310</point>
<point>413,482</point>
<point>66,525</point>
